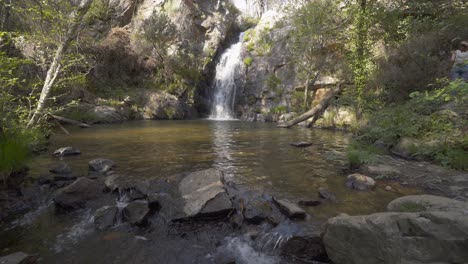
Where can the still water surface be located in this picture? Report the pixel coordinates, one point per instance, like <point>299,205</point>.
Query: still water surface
<point>256,156</point>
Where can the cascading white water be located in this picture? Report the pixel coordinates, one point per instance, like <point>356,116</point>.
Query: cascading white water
<point>225,82</point>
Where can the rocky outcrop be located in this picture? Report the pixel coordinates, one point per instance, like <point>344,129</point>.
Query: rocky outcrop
<point>422,229</point>
<point>164,106</point>
<point>76,195</point>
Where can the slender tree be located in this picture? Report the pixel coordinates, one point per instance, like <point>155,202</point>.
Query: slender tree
<point>54,69</point>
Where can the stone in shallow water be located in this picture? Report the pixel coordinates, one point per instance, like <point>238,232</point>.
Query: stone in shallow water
<point>61,168</point>
<point>289,209</point>
<point>360,182</point>
<point>101,165</point>
<point>105,217</point>
<point>306,249</point>
<point>198,188</point>
<point>220,206</point>
<point>309,203</point>
<point>301,144</point>
<point>257,209</point>
<point>18,258</point>
<point>67,151</point>
<point>136,212</point>
<point>326,194</point>
<point>78,193</point>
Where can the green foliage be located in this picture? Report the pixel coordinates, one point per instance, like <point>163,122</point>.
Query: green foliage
<point>358,154</point>
<point>280,109</point>
<point>272,81</point>
<point>421,118</point>
<point>14,153</point>
<point>248,61</point>
<point>411,208</point>
<point>160,32</point>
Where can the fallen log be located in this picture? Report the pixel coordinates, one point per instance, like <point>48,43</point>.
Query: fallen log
<point>69,121</point>
<point>315,112</point>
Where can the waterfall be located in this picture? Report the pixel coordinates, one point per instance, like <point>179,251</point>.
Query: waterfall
<point>225,87</point>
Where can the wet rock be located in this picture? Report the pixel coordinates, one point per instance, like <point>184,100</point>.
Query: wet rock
<point>64,177</point>
<point>105,217</point>
<point>360,182</point>
<point>257,210</point>
<point>218,207</point>
<point>305,249</point>
<point>198,188</point>
<point>61,183</point>
<point>326,194</point>
<point>67,151</point>
<point>290,209</point>
<point>301,144</point>
<point>100,165</point>
<point>61,168</point>
<point>113,182</point>
<point>401,237</point>
<point>309,203</point>
<point>382,170</point>
<point>18,258</point>
<point>78,193</point>
<point>136,212</point>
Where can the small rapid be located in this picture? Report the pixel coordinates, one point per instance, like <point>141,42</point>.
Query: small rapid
<point>225,87</point>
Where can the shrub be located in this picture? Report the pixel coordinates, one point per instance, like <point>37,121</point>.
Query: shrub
<point>14,152</point>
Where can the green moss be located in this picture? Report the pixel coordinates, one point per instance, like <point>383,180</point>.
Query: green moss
<point>248,61</point>
<point>412,208</point>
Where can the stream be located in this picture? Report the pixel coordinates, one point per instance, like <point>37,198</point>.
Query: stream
<point>256,156</point>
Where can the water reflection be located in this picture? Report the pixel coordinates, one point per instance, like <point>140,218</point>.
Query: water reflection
<point>223,144</point>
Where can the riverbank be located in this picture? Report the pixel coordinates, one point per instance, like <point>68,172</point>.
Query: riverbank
<point>259,163</point>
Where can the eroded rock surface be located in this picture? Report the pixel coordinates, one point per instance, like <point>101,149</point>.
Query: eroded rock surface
<point>434,231</point>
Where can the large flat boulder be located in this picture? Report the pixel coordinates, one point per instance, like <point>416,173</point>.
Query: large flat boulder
<point>400,237</point>
<point>204,192</point>
<point>76,195</point>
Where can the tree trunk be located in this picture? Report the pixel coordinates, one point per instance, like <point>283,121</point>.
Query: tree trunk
<point>315,112</point>
<point>54,69</point>
<point>306,95</point>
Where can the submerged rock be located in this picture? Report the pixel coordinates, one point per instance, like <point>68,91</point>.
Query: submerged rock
<point>290,209</point>
<point>136,212</point>
<point>360,182</point>
<point>78,193</point>
<point>412,236</point>
<point>101,165</point>
<point>67,151</point>
<point>326,194</point>
<point>382,170</point>
<point>105,217</point>
<point>309,203</point>
<point>61,168</point>
<point>198,188</point>
<point>18,258</point>
<point>302,144</point>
